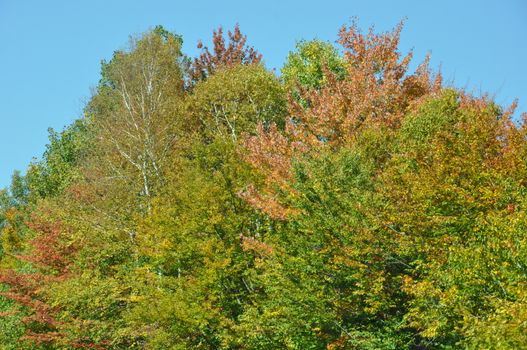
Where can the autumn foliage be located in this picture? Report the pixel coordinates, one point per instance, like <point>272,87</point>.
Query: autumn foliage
<point>233,53</point>
<point>208,203</point>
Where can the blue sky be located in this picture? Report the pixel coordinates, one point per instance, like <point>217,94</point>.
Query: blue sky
<point>50,51</point>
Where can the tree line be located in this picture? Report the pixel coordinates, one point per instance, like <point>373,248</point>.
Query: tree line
<point>208,203</point>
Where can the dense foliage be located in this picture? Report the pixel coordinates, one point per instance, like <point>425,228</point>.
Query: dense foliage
<point>207,203</point>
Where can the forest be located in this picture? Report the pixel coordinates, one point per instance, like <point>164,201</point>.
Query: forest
<point>344,201</point>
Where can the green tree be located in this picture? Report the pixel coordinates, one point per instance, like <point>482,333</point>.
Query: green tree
<point>60,164</point>
<point>234,100</point>
<point>457,195</point>
<point>309,65</point>
<point>339,268</point>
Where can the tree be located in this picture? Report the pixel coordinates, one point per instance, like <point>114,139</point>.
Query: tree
<point>376,92</point>
<point>457,192</point>
<point>194,267</point>
<point>234,100</point>
<point>307,66</point>
<point>59,166</point>
<point>134,112</point>
<point>234,53</point>
<point>339,268</point>
<point>46,263</point>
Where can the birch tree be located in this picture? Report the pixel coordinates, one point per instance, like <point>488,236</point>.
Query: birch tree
<point>135,109</point>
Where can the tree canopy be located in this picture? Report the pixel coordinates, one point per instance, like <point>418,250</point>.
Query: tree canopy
<point>207,203</point>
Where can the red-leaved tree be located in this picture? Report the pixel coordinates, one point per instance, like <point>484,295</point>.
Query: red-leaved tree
<point>223,54</point>
<point>377,91</point>
<point>48,260</point>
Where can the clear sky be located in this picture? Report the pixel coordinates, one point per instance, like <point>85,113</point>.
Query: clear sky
<point>50,51</point>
